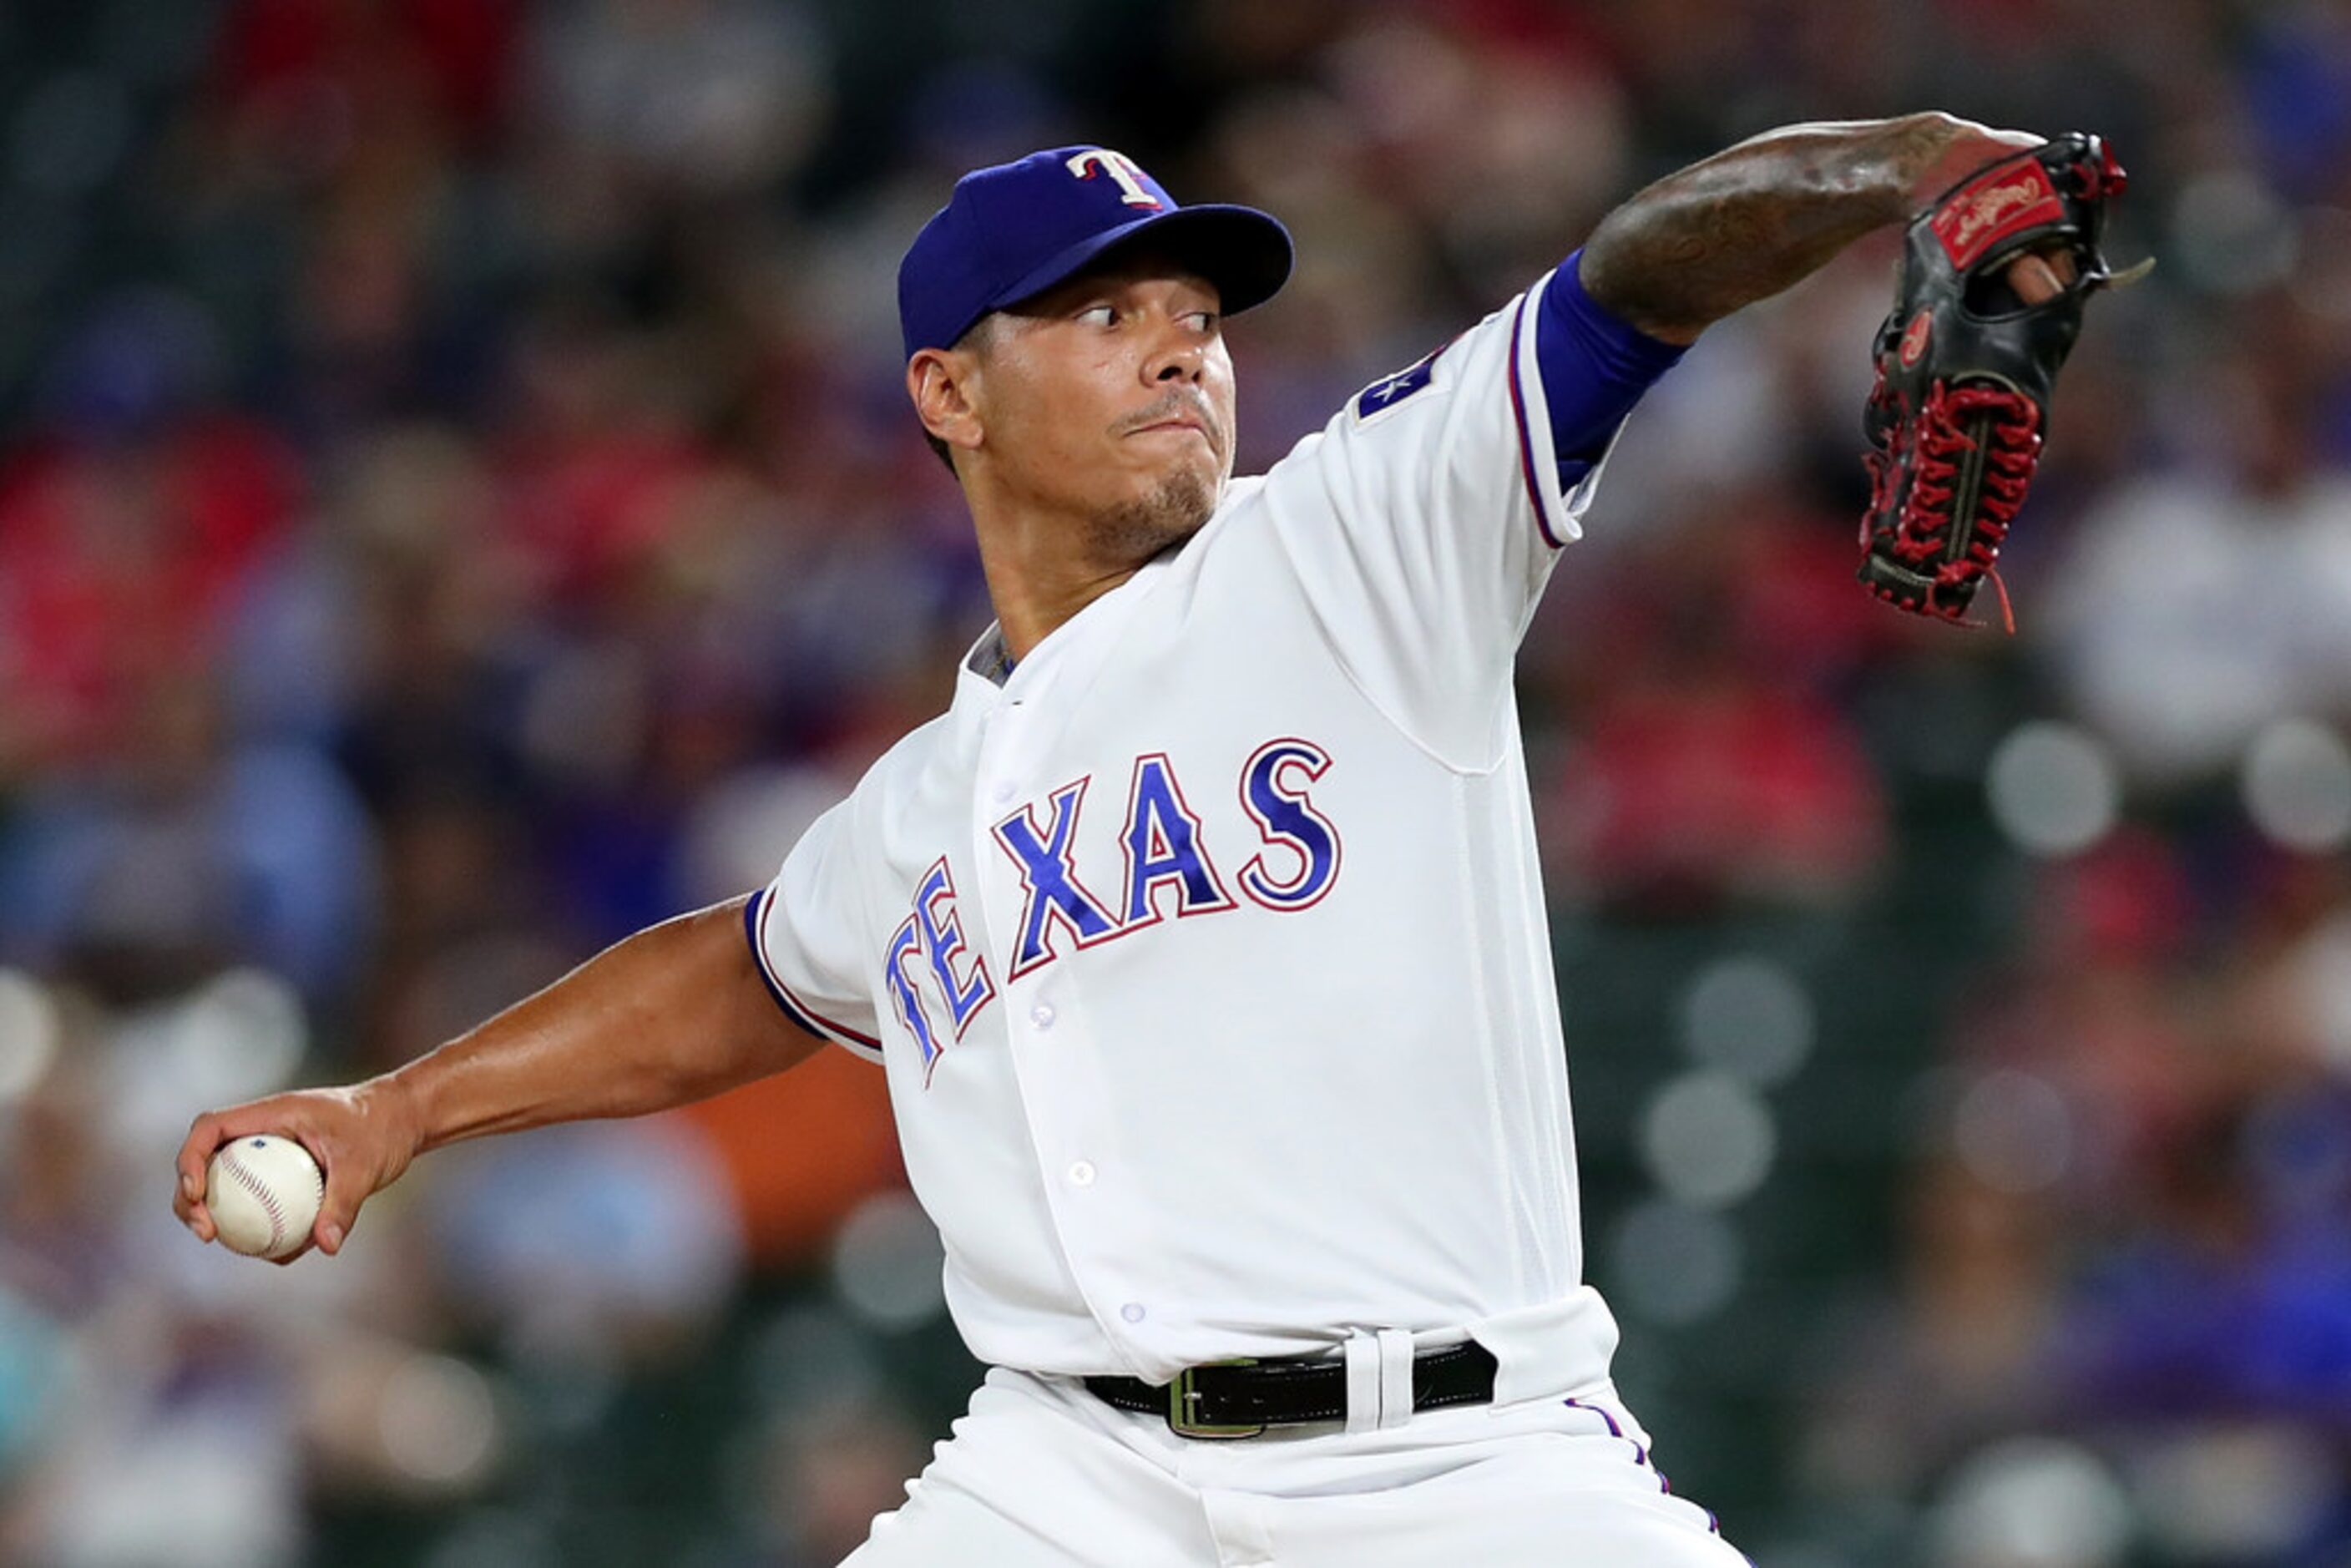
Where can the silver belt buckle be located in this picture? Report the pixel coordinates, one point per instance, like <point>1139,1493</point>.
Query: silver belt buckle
<point>1183,1398</point>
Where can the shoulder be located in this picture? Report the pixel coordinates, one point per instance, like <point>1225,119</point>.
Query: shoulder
<point>910,758</point>
<point>902,776</point>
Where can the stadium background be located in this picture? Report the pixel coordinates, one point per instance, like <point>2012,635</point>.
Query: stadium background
<point>457,506</point>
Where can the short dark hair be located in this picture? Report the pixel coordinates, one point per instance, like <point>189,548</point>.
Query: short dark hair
<point>974,339</point>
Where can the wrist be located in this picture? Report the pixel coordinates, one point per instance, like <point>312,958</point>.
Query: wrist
<point>394,1103</point>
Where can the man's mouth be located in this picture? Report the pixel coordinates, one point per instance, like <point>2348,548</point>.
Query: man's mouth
<point>1179,417</point>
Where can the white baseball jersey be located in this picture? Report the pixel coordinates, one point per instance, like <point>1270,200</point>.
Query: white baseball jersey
<point>1207,953</point>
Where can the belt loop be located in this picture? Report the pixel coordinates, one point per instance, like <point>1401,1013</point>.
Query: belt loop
<point>1395,1376</point>
<point>1364,1382</point>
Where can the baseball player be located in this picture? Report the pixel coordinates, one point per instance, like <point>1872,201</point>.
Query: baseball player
<point>1201,939</point>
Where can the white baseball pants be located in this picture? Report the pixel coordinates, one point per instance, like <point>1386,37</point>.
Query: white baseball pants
<point>1041,1474</point>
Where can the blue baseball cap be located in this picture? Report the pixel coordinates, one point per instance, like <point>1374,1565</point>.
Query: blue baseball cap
<point>1014,230</point>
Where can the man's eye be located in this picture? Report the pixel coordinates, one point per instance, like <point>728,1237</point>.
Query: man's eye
<point>1098,315</point>
<point>1206,320</point>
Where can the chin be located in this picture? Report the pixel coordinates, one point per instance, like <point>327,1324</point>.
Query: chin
<point>1164,517</point>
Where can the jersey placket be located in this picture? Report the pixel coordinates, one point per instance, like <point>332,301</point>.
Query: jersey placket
<point>1053,1050</point>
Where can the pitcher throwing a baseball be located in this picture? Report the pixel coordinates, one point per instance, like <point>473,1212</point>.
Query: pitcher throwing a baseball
<point>1201,939</point>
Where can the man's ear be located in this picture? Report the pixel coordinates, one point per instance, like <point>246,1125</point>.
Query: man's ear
<point>939,380</point>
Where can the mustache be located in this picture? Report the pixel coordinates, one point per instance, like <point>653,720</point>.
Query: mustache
<point>1176,405</point>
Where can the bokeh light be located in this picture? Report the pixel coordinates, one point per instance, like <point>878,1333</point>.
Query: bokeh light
<point>439,1422</point>
<point>2232,233</point>
<point>1751,1017</point>
<point>1708,1139</point>
<point>2013,1131</point>
<point>29,1032</point>
<point>2250,1493</point>
<point>2296,783</point>
<point>886,1264</point>
<point>2052,788</point>
<point>2033,1502</point>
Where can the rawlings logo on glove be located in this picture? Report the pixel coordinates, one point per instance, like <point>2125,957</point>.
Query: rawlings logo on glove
<point>1995,206</point>
<point>1966,368</point>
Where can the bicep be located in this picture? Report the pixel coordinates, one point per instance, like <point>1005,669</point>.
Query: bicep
<point>767,1038</point>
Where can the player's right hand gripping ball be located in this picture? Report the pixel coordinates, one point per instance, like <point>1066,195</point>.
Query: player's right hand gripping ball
<point>263,1192</point>
<point>1964,370</point>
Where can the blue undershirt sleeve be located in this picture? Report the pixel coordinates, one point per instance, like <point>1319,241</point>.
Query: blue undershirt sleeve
<point>1595,368</point>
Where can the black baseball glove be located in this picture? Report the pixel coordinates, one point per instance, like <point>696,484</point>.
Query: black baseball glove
<point>1966,368</point>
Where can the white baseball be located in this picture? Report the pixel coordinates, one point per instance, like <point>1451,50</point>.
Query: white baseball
<point>263,1191</point>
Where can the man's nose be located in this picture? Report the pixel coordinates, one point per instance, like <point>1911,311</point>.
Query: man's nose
<point>1179,358</point>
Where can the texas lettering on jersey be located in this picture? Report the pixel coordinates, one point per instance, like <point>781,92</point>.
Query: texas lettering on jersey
<point>938,984</point>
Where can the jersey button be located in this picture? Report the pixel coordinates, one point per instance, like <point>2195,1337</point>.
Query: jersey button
<point>1002,793</point>
<point>1082,1174</point>
<point>1041,1015</point>
<point>1131,1312</point>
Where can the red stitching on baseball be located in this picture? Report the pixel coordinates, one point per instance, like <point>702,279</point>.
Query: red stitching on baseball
<point>261,1190</point>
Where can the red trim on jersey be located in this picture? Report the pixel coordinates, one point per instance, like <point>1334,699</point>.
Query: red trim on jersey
<point>1526,439</point>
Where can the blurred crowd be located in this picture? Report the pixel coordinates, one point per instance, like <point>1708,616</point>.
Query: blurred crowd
<point>458,505</point>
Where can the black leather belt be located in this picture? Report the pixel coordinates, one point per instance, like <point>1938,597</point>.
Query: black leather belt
<point>1242,1398</point>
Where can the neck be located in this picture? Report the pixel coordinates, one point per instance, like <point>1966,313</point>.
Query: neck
<point>1034,592</point>
<point>1032,613</point>
<point>1044,566</point>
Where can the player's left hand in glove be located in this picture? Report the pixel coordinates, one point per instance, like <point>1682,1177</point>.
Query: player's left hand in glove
<point>1966,363</point>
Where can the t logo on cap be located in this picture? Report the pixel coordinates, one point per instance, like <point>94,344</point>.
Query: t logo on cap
<point>1013,230</point>
<point>1119,167</point>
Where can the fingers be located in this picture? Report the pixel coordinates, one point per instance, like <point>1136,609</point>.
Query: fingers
<point>206,1133</point>
<point>2034,280</point>
<point>322,1122</point>
<point>348,1185</point>
<point>192,1211</point>
<point>2042,275</point>
<point>188,1201</point>
<point>195,1152</point>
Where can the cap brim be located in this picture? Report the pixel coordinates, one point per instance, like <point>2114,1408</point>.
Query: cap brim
<point>1245,252</point>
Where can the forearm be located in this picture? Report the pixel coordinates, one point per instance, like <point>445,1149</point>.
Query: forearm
<point>1762,215</point>
<point>671,1015</point>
